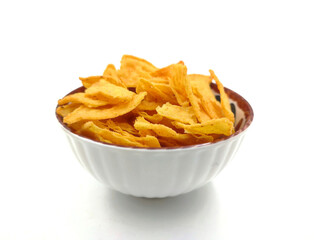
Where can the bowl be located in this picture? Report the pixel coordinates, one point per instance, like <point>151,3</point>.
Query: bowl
<point>164,172</point>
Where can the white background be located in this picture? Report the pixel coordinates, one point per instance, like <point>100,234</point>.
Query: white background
<point>260,49</point>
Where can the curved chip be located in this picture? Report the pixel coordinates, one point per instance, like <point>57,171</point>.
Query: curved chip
<point>89,81</point>
<point>214,126</point>
<point>178,82</point>
<point>107,91</point>
<point>177,113</point>
<point>225,104</point>
<point>155,91</point>
<point>85,113</point>
<point>132,68</point>
<point>83,99</point>
<point>111,75</point>
<point>67,109</point>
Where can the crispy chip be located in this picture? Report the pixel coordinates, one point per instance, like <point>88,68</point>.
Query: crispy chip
<point>111,75</point>
<point>196,103</point>
<point>82,98</point>
<point>85,113</point>
<point>89,81</point>
<point>161,130</point>
<point>155,118</point>
<point>133,68</point>
<point>200,78</point>
<point>90,129</point>
<point>66,109</point>
<point>101,133</point>
<point>177,113</point>
<point>178,82</point>
<point>146,105</point>
<point>122,126</point>
<point>207,98</point>
<point>154,92</point>
<point>107,91</point>
<point>225,104</point>
<point>214,126</point>
<point>149,141</point>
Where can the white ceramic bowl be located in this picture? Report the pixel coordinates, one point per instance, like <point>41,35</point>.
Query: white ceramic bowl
<point>158,173</point>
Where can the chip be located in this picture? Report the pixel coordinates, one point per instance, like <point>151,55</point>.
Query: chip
<point>111,75</point>
<point>155,118</point>
<point>107,91</point>
<point>91,130</point>
<point>178,113</point>
<point>83,99</point>
<point>215,126</point>
<point>155,91</point>
<point>201,89</point>
<point>86,113</point>
<point>140,105</point>
<point>225,104</point>
<point>178,82</point>
<point>64,110</point>
<point>133,68</point>
<point>162,131</point>
<point>148,105</point>
<point>89,81</point>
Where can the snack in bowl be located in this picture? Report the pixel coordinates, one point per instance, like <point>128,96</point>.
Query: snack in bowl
<point>153,132</point>
<point>166,105</point>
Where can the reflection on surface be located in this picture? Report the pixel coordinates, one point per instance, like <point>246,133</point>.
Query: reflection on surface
<point>185,215</point>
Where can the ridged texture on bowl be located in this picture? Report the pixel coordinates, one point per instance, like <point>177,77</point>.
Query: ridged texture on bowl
<point>153,173</point>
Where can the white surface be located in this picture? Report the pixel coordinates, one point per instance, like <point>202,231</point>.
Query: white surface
<point>263,51</point>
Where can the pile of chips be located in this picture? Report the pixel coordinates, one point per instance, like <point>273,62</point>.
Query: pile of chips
<point>140,105</point>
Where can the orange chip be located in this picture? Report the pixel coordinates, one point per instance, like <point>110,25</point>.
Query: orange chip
<point>83,99</point>
<point>199,77</point>
<point>161,130</point>
<point>196,103</point>
<point>133,68</point>
<point>121,125</point>
<point>85,113</point>
<point>101,133</point>
<point>155,118</point>
<point>154,92</point>
<point>146,105</point>
<point>177,113</point>
<point>107,91</point>
<point>207,98</point>
<point>225,104</point>
<point>66,109</point>
<point>178,82</point>
<point>90,129</point>
<point>111,75</point>
<point>89,81</point>
<point>214,126</point>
